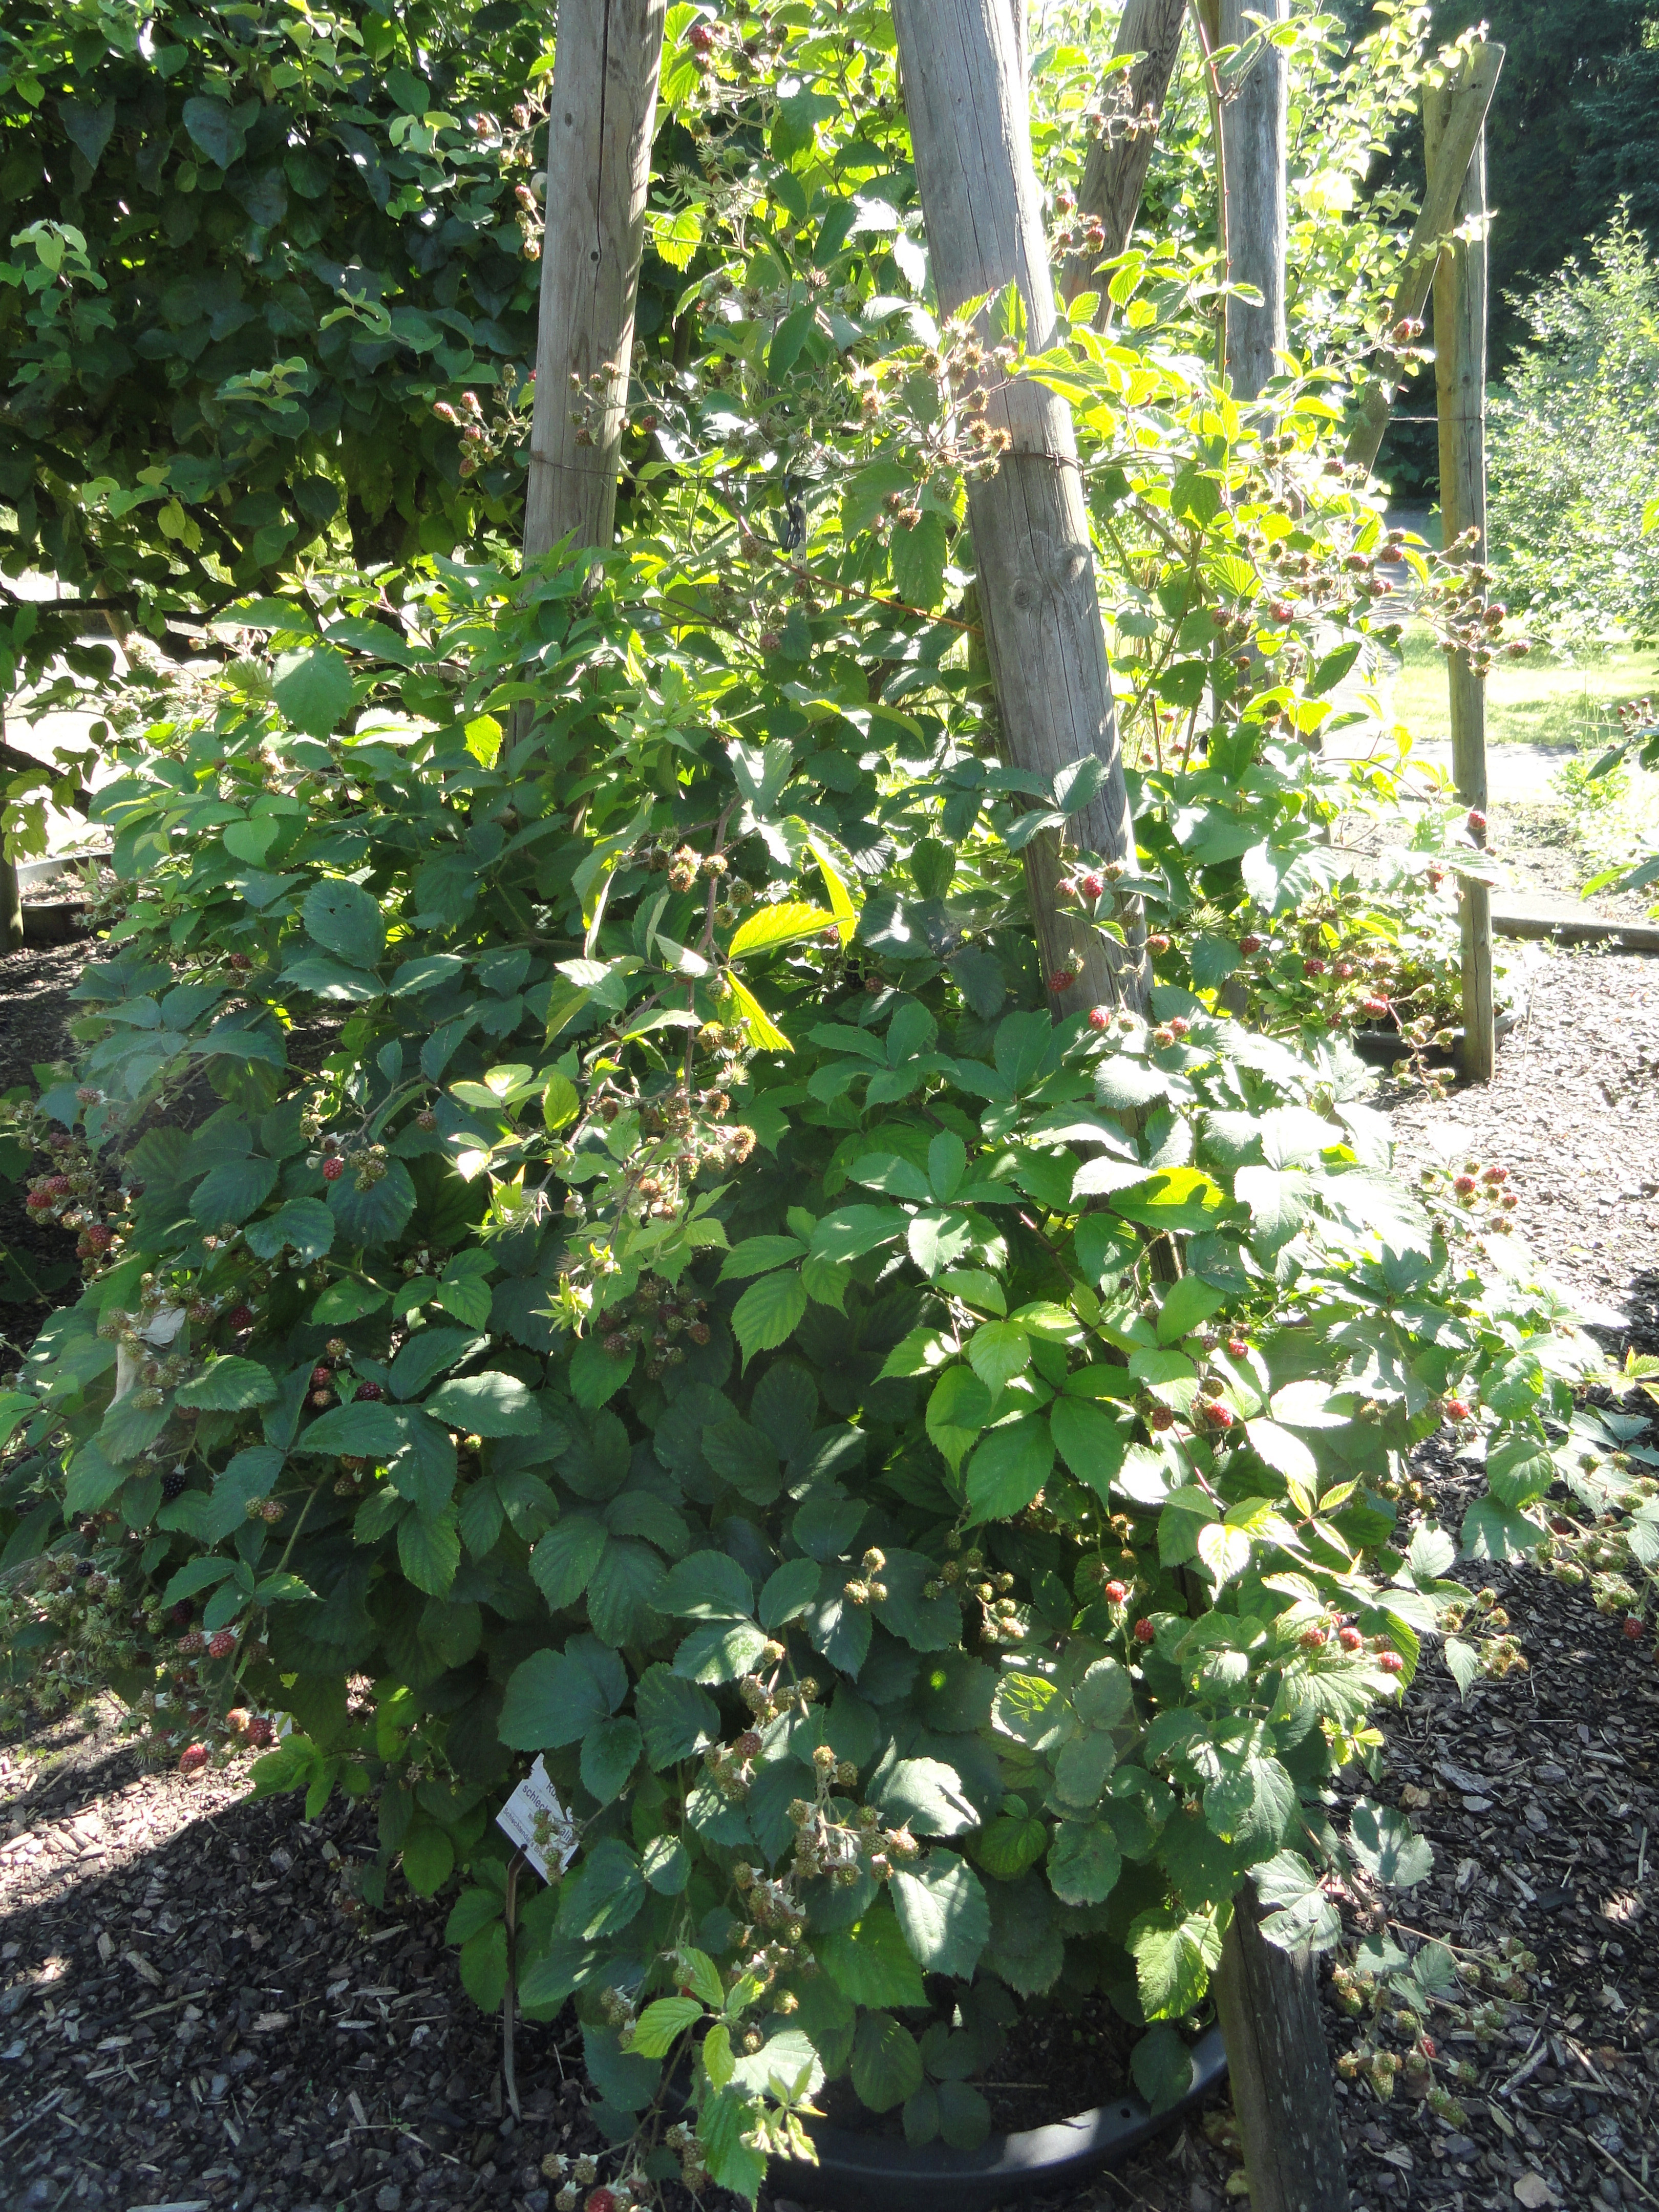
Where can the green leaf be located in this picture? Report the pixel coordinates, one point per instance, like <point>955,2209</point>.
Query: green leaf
<point>720,1651</point>
<point>483,1965</point>
<point>305,1224</point>
<point>229,1386</point>
<point>871,1962</point>
<point>1009,1468</point>
<point>677,1719</point>
<point>472,1909</point>
<point>768,1312</point>
<point>429,1551</point>
<point>722,2123</point>
<point>1189,1302</point>
<point>488,1404</point>
<point>364,1429</point>
<point>313,690</point>
<point>957,1413</point>
<point>997,1351</point>
<point>789,1590</point>
<point>1083,1863</point>
<point>428,1856</point>
<point>610,1754</point>
<point>1387,1845</point>
<point>770,925</point>
<point>231,1191</point>
<point>427,1352</point>
<point>557,1698</point>
<point>925,1795</point>
<point>1090,1440</point>
<point>1162,2067</point>
<point>622,1593</point>
<point>562,1563</point>
<point>1010,1843</point>
<point>707,1586</point>
<point>1175,1955</point>
<point>661,2024</point>
<point>886,2062</point>
<point>941,1908</point>
<point>374,1216</point>
<point>347,1300</point>
<point>919,555</point>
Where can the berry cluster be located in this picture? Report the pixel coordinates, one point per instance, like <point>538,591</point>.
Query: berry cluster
<point>1479,1195</point>
<point>367,1164</point>
<point>653,1320</point>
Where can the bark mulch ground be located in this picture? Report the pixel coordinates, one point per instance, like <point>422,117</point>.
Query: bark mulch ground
<point>192,2015</point>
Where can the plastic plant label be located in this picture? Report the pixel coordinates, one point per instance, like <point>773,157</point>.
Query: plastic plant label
<point>533,1817</point>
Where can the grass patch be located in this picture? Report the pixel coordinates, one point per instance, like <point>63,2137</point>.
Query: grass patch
<point>1537,702</point>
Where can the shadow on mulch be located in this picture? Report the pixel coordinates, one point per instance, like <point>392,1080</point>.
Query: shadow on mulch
<point>196,2016</point>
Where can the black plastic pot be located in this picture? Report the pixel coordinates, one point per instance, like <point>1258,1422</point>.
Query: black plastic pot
<point>1382,1048</point>
<point>873,2173</point>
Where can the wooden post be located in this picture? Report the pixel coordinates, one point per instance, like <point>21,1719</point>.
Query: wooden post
<point>1278,2071</point>
<point>1464,116</point>
<point>598,170</point>
<point>1114,174</point>
<point>1460,349</point>
<point>1039,607</point>
<point>1254,131</point>
<point>11,908</point>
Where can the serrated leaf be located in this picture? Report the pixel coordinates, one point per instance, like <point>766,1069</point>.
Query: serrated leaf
<point>228,1385</point>
<point>768,1312</point>
<point>490,1405</point>
<point>557,1698</point>
<point>1084,1862</point>
<point>870,1963</point>
<point>943,1913</point>
<point>886,2062</point>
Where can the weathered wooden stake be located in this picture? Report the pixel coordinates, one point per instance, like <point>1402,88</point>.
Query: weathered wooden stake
<point>1114,174</point>
<point>1040,614</point>
<point>1460,347</point>
<point>1466,101</point>
<point>1278,2071</point>
<point>598,170</point>
<point>1254,131</point>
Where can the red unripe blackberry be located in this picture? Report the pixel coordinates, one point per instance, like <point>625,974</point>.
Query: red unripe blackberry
<point>321,1377</point>
<point>333,1167</point>
<point>57,1186</point>
<point>240,961</point>
<point>239,1317</point>
<point>1115,1593</point>
<point>700,37</point>
<point>1219,1417</point>
<point>604,2200</point>
<point>1091,886</point>
<point>1456,1409</point>
<point>38,1202</point>
<point>1237,1347</point>
<point>98,1236</point>
<point>260,1732</point>
<point>1375,1003</point>
<point>1632,1626</point>
<point>1313,1639</point>
<point>221,1645</point>
<point>1062,979</point>
<point>370,1391</point>
<point>1477,820</point>
<point>1161,1418</point>
<point>1249,945</point>
<point>1098,1017</point>
<point>1313,966</point>
<point>1391,1662</point>
<point>1178,1025</point>
<point>749,1744</point>
<point>1157,942</point>
<point>698,1332</point>
<point>1345,968</point>
<point>1143,1631</point>
<point>1464,1185</point>
<point>1496,1175</point>
<point>1349,1639</point>
<point>193,1758</point>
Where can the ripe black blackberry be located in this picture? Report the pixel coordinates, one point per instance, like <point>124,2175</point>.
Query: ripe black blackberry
<point>173,1485</point>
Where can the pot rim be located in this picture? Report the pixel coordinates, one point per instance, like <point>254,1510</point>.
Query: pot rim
<point>906,2177</point>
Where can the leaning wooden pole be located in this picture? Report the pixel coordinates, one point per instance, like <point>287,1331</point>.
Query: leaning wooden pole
<point>1460,350</point>
<point>1255,132</point>
<point>1464,106</point>
<point>1114,174</point>
<point>604,108</point>
<point>1040,611</point>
